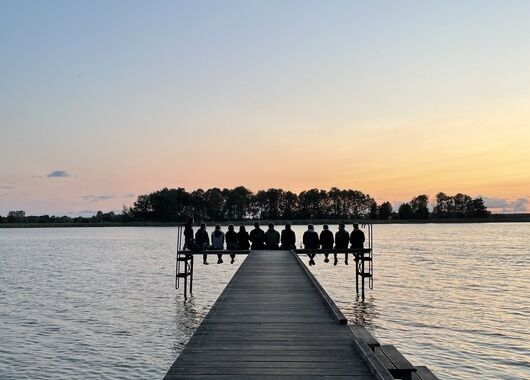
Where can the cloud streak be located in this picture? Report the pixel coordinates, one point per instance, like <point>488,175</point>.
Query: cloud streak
<point>96,198</point>
<point>58,174</point>
<point>507,206</point>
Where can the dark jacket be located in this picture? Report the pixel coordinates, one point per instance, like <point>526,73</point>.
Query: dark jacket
<point>288,239</point>
<point>310,239</point>
<point>342,239</point>
<point>243,238</point>
<point>201,238</point>
<point>231,240</point>
<point>326,239</point>
<point>357,239</point>
<point>188,232</point>
<point>257,238</point>
<point>272,239</point>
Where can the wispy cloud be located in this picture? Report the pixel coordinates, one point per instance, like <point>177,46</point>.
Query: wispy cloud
<point>58,174</point>
<point>507,206</point>
<point>520,205</point>
<point>6,187</point>
<point>96,198</point>
<point>130,195</point>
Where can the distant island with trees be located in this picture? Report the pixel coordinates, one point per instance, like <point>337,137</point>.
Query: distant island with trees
<point>171,206</point>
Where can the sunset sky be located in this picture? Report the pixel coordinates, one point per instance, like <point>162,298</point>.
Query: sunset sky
<point>103,100</point>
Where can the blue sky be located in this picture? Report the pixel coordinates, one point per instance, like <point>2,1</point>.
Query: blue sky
<point>391,98</point>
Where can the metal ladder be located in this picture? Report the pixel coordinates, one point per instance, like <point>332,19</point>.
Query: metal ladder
<point>364,263</point>
<point>184,265</point>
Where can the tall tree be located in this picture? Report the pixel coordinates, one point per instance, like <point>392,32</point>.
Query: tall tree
<point>477,209</point>
<point>420,206</point>
<point>215,204</point>
<point>237,203</point>
<point>374,210</point>
<point>385,210</point>
<point>405,211</point>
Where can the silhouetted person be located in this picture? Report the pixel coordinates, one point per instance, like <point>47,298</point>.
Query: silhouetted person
<point>243,238</point>
<point>342,240</point>
<point>231,241</point>
<point>272,238</point>
<point>310,240</point>
<point>356,237</point>
<point>257,237</point>
<point>326,241</point>
<point>203,241</point>
<point>218,242</point>
<point>288,238</point>
<point>188,234</point>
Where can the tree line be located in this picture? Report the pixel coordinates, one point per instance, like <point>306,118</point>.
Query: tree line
<point>237,204</point>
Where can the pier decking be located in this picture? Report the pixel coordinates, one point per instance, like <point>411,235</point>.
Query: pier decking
<point>272,321</point>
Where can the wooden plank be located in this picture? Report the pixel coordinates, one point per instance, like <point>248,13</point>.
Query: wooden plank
<point>333,308</point>
<point>395,362</point>
<point>397,358</point>
<point>271,321</point>
<point>364,335</point>
<point>371,360</point>
<point>425,373</point>
<point>384,360</point>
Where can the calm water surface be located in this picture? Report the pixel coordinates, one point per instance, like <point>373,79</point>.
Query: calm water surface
<point>101,303</point>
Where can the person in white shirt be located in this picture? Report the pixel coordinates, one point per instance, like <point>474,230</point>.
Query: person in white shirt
<point>218,242</point>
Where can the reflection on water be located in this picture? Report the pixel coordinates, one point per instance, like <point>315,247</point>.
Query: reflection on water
<point>363,312</point>
<point>453,297</point>
<point>102,302</point>
<point>187,318</point>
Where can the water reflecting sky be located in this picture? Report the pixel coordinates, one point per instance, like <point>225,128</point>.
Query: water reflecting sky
<point>102,301</point>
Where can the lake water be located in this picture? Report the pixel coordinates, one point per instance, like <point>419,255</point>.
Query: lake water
<point>100,303</point>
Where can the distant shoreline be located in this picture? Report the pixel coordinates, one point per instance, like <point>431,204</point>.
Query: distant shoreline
<point>495,218</point>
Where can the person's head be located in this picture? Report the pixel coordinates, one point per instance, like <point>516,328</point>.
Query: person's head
<point>271,226</point>
<point>287,226</point>
<point>217,227</point>
<point>242,229</point>
<point>326,227</point>
<point>310,227</point>
<point>355,226</point>
<point>231,227</point>
<point>203,226</point>
<point>342,226</point>
<point>256,225</point>
<point>190,220</point>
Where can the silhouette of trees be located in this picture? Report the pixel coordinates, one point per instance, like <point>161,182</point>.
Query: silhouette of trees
<point>237,203</point>
<point>374,211</point>
<point>240,203</point>
<point>419,206</point>
<point>310,204</point>
<point>405,211</point>
<point>385,210</point>
<point>289,205</point>
<point>459,206</point>
<point>16,216</point>
<point>477,209</point>
<point>215,204</point>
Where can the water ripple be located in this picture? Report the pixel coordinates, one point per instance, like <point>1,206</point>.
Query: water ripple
<point>102,303</point>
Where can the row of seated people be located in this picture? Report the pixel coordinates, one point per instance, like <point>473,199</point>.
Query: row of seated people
<point>271,239</point>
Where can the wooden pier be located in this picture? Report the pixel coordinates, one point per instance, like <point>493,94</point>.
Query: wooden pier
<point>273,321</point>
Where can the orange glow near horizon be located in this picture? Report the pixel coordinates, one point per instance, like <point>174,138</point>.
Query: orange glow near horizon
<point>428,98</point>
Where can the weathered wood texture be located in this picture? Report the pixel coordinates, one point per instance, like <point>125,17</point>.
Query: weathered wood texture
<point>270,323</point>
